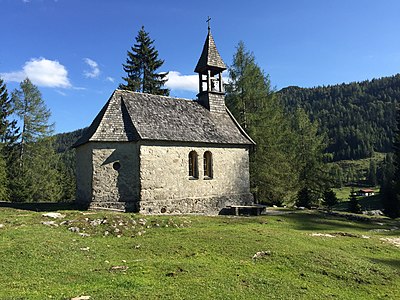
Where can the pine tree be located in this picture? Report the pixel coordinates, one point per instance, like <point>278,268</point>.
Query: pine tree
<point>387,170</point>
<point>141,66</point>
<point>253,103</point>
<point>391,186</point>
<point>8,136</point>
<point>34,115</point>
<point>34,174</point>
<point>8,128</point>
<point>354,206</point>
<point>4,192</point>
<point>304,198</point>
<point>309,147</point>
<point>335,174</point>
<point>372,180</point>
<point>329,198</point>
<point>66,170</point>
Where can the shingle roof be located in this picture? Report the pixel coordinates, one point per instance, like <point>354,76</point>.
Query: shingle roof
<point>210,57</point>
<point>130,116</point>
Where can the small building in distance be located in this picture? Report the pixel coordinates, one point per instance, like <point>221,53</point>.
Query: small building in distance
<point>365,192</point>
<point>155,154</point>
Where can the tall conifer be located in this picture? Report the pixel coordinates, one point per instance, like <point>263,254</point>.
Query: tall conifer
<point>34,168</point>
<point>254,104</point>
<point>8,135</point>
<point>8,128</point>
<point>309,147</point>
<point>141,66</point>
<point>391,187</point>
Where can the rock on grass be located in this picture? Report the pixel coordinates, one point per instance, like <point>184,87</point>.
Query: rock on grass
<point>261,254</point>
<point>53,215</point>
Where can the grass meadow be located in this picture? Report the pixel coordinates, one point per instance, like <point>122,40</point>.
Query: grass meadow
<point>107,255</point>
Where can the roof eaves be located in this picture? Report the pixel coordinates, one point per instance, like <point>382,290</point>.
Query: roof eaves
<point>242,131</point>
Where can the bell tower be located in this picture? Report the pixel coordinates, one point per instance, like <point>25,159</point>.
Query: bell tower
<point>210,67</point>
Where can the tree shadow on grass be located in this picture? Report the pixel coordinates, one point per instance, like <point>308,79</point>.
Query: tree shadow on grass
<point>314,220</point>
<point>393,263</point>
<point>44,206</point>
<point>367,203</point>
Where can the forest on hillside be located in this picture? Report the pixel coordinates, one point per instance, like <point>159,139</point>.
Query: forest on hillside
<point>359,117</point>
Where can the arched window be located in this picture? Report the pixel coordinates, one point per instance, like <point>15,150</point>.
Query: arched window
<point>208,164</point>
<point>193,167</point>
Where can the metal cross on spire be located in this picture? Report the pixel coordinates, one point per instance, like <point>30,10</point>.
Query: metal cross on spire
<point>208,22</point>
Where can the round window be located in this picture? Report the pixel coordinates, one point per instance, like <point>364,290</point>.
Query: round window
<point>116,166</point>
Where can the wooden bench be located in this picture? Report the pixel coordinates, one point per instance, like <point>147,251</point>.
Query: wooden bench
<point>252,210</point>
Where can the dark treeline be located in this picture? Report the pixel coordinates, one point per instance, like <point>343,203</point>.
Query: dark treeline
<point>66,155</point>
<point>64,141</point>
<point>359,118</point>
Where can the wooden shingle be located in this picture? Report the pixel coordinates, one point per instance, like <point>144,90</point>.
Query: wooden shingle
<point>130,116</point>
<point>210,58</point>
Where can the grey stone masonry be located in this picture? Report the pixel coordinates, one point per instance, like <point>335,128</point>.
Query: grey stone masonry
<point>152,177</point>
<point>213,101</point>
<point>167,188</point>
<point>108,175</point>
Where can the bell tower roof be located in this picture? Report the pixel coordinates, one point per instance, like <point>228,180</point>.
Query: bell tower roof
<point>210,58</point>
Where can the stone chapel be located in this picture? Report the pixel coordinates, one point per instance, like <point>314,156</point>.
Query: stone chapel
<point>155,154</point>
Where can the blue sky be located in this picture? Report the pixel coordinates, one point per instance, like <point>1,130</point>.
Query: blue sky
<point>73,50</point>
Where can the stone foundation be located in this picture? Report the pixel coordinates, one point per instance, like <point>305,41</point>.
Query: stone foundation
<point>205,206</point>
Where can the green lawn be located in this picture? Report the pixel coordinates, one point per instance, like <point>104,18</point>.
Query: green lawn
<point>367,203</point>
<point>343,193</point>
<point>310,255</point>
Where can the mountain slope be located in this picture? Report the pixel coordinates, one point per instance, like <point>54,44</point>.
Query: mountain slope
<point>358,117</point>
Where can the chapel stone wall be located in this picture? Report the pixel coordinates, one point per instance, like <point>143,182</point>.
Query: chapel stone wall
<point>114,175</point>
<point>167,188</point>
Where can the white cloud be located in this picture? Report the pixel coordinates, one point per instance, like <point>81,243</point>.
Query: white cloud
<point>177,81</point>
<point>110,79</point>
<point>61,93</point>
<point>94,71</point>
<point>42,72</point>
<point>78,88</point>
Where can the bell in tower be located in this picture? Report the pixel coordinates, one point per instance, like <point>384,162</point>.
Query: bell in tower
<point>210,67</point>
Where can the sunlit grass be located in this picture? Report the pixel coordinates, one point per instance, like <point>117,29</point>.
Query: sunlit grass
<point>128,256</point>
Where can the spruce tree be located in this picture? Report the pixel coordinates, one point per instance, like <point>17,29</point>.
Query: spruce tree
<point>253,103</point>
<point>34,174</point>
<point>8,136</point>
<point>304,198</point>
<point>141,66</point>
<point>4,192</point>
<point>371,178</point>
<point>391,185</point>
<point>3,129</point>
<point>329,199</point>
<point>8,128</point>
<point>353,205</point>
<point>309,147</point>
